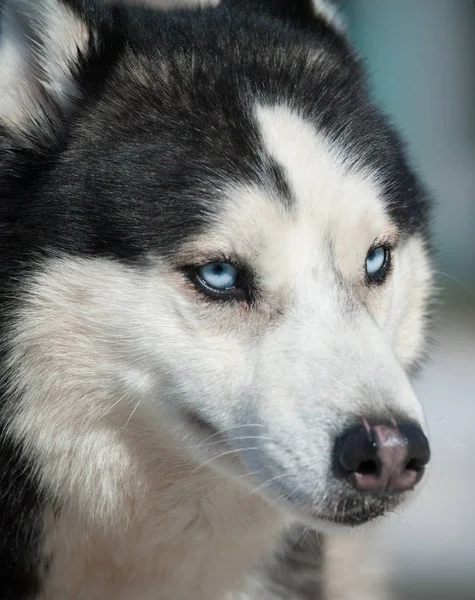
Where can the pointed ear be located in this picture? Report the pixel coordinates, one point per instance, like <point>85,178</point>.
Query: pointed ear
<point>41,45</point>
<point>299,11</point>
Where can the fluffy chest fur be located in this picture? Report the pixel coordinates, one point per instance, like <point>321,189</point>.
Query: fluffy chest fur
<point>170,540</point>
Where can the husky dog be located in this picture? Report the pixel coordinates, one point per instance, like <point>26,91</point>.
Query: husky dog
<point>214,285</point>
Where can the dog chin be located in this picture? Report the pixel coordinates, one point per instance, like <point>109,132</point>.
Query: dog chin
<point>348,511</point>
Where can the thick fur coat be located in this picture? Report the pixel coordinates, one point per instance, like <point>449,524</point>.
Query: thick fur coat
<point>158,432</point>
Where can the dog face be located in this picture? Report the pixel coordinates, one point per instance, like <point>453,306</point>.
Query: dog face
<point>217,240</point>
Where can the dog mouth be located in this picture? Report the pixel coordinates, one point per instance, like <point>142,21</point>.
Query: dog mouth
<point>201,425</point>
<point>211,441</point>
<point>341,508</point>
<point>355,510</point>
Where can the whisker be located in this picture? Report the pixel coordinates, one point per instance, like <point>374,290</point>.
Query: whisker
<point>236,439</point>
<point>112,406</point>
<point>131,414</point>
<point>266,507</point>
<point>464,285</point>
<point>266,483</point>
<point>316,551</point>
<point>228,429</point>
<point>302,534</point>
<point>399,515</point>
<point>282,550</point>
<point>200,466</point>
<point>232,483</point>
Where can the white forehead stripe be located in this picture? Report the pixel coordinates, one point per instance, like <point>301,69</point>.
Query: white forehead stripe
<point>328,11</point>
<point>334,199</point>
<point>314,167</point>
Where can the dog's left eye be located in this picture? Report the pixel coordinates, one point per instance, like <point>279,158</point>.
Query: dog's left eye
<point>219,277</point>
<point>377,263</point>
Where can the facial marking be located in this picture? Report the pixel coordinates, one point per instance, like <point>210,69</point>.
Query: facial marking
<point>337,203</point>
<point>337,215</point>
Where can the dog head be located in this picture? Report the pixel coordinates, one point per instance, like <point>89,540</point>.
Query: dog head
<point>215,233</point>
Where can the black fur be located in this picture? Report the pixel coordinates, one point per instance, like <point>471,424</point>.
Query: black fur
<point>132,153</point>
<point>20,535</point>
<point>137,165</point>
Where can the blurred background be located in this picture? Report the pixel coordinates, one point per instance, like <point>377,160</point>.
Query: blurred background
<point>421,59</point>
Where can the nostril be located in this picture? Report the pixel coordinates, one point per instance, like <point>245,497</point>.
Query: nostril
<point>355,452</point>
<point>418,450</point>
<point>415,464</point>
<point>368,467</point>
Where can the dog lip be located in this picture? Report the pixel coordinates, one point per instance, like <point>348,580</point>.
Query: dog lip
<point>355,516</point>
<point>201,423</point>
<point>345,509</point>
<point>205,429</point>
<point>352,520</point>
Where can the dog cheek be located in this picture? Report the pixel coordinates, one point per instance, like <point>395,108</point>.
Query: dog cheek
<point>413,291</point>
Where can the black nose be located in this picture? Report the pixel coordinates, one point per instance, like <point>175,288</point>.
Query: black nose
<point>387,457</point>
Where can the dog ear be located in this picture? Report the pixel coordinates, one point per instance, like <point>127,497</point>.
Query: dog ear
<point>300,12</point>
<point>42,44</point>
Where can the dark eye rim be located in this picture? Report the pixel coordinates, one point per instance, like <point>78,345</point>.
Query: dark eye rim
<point>241,291</point>
<point>380,276</point>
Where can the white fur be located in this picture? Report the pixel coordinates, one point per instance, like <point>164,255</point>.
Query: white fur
<point>31,68</point>
<point>329,12</point>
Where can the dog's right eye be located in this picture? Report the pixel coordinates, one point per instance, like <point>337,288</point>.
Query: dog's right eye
<point>378,263</point>
<point>218,276</point>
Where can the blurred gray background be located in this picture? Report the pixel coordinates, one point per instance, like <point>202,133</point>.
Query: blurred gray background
<point>421,58</point>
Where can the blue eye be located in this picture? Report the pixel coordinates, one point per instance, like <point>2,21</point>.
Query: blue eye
<point>376,262</point>
<point>218,276</point>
